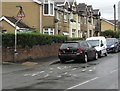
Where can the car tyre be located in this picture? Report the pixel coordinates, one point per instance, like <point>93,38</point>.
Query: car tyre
<point>116,50</point>
<point>62,61</point>
<point>99,54</point>
<point>96,56</point>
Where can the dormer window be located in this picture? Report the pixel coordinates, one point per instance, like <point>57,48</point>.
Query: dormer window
<point>48,8</point>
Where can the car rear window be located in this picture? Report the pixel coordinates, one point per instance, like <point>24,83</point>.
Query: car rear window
<point>93,42</point>
<point>69,45</point>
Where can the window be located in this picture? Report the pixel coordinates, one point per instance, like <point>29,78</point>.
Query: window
<point>78,19</point>
<point>57,15</point>
<point>52,32</point>
<point>90,33</point>
<point>74,17</point>
<point>73,32</point>
<point>48,7</point>
<point>51,8</point>
<point>65,17</point>
<point>48,31</point>
<point>84,44</point>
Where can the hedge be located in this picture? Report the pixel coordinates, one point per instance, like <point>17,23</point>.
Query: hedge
<point>30,39</point>
<point>111,33</point>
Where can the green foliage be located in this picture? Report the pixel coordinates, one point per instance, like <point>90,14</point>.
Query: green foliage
<point>110,33</point>
<point>74,39</point>
<point>30,39</point>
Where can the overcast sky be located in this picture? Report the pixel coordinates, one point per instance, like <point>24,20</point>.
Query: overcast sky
<point>105,6</point>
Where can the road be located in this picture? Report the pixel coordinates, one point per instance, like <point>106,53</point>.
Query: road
<point>97,74</point>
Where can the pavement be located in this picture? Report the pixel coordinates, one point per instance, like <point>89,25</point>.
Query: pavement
<point>8,67</point>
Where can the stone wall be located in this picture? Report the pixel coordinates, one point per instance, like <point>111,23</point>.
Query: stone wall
<point>36,52</point>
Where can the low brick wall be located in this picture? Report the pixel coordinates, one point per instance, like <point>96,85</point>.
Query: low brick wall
<point>36,52</point>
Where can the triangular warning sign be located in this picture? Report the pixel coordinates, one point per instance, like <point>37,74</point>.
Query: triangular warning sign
<point>21,13</point>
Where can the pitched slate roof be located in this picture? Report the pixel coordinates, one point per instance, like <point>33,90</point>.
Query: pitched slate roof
<point>19,24</point>
<point>96,12</point>
<point>81,7</point>
<point>59,1</point>
<point>89,7</point>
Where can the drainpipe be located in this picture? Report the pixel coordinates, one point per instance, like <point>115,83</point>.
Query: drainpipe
<point>41,18</point>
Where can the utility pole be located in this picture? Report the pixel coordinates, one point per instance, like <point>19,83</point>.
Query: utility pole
<point>114,17</point>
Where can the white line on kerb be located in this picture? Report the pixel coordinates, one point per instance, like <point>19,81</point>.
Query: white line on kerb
<point>81,83</point>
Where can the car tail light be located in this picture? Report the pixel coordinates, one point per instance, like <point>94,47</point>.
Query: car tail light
<point>79,50</point>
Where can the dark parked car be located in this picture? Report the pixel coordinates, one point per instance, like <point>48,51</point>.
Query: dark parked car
<point>78,51</point>
<point>113,45</point>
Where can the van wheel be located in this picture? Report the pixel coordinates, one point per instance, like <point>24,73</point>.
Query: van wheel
<point>105,54</point>
<point>99,54</point>
<point>85,58</point>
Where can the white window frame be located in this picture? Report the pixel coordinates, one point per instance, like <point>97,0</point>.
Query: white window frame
<point>58,15</point>
<point>73,32</point>
<point>49,8</point>
<point>49,30</point>
<point>65,17</point>
<point>78,19</point>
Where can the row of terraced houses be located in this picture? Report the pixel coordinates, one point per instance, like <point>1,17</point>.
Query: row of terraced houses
<point>53,17</point>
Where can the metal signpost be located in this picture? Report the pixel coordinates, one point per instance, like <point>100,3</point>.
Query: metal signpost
<point>20,15</point>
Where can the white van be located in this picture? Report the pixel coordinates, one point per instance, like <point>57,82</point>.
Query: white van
<point>99,43</point>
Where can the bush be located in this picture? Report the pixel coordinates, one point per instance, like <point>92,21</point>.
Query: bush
<point>74,39</point>
<point>110,33</point>
<point>30,39</point>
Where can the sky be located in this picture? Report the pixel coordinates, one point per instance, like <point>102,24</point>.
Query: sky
<point>105,6</point>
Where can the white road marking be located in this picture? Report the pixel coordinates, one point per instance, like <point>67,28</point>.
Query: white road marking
<point>90,70</point>
<point>114,71</point>
<point>51,68</point>
<point>59,68</point>
<point>84,70</point>
<point>82,83</point>
<point>34,74</point>
<point>59,76</point>
<point>51,72</point>
<point>74,69</point>
<point>65,73</point>
<point>26,74</point>
<point>46,75</point>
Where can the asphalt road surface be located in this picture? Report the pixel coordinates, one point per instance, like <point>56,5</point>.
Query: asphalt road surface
<point>97,74</point>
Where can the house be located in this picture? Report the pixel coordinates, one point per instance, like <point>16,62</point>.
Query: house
<point>9,25</point>
<point>62,17</point>
<point>52,17</point>
<point>82,12</point>
<point>48,24</point>
<point>107,24</point>
<point>75,30</point>
<point>11,12</point>
<point>90,21</point>
<point>97,22</point>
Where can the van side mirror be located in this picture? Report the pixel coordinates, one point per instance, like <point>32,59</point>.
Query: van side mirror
<point>101,45</point>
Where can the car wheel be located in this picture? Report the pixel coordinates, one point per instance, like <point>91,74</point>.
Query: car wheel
<point>96,56</point>
<point>85,58</point>
<point>62,61</point>
<point>116,50</point>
